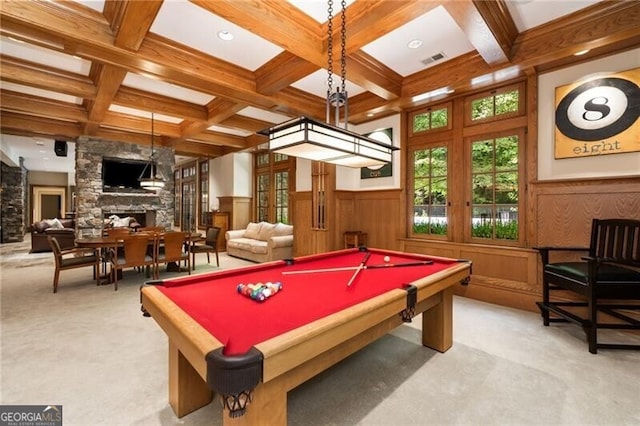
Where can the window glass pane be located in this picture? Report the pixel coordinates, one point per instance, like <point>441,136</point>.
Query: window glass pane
<point>439,161</point>
<point>420,122</point>
<point>482,108</point>
<point>507,153</point>
<point>482,156</point>
<point>507,102</point>
<point>482,222</point>
<point>439,118</point>
<point>277,157</point>
<point>495,186</point>
<point>430,192</point>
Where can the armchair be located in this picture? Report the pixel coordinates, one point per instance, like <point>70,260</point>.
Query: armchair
<point>73,258</point>
<point>607,281</point>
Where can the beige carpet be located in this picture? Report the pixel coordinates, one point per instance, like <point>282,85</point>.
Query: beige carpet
<point>90,349</point>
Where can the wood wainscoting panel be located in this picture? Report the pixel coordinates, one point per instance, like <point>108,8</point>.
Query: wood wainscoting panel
<point>239,209</point>
<point>565,209</point>
<point>381,214</point>
<point>503,275</point>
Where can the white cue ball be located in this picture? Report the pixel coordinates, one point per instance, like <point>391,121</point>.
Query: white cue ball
<point>387,259</point>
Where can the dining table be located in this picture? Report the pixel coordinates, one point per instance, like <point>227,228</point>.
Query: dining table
<point>105,242</point>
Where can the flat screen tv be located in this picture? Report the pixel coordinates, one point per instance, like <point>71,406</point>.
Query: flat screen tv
<point>119,175</point>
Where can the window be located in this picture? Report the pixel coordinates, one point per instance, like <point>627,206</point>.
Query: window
<point>468,177</point>
<point>430,191</point>
<point>203,194</point>
<point>494,105</point>
<point>177,197</point>
<point>272,187</point>
<point>433,118</point>
<point>495,188</point>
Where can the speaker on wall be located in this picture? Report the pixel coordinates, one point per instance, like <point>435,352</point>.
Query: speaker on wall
<point>60,148</point>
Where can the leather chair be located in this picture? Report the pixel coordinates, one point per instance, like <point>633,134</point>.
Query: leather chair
<point>210,245</point>
<point>604,286</point>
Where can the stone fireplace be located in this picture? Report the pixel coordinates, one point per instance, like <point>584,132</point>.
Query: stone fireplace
<point>93,205</point>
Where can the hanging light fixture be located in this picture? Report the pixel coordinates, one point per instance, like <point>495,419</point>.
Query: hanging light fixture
<point>152,179</point>
<point>307,138</point>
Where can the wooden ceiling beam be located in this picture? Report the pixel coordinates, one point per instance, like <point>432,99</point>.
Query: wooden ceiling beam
<point>130,25</point>
<point>479,32</point>
<point>139,99</point>
<point>604,23</point>
<point>43,107</point>
<point>39,126</point>
<point>34,75</point>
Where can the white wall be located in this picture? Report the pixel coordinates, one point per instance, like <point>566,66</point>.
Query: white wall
<point>230,176</point>
<point>625,164</point>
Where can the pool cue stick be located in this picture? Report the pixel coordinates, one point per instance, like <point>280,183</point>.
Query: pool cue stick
<point>360,268</point>
<point>351,268</point>
<point>313,271</point>
<point>397,265</point>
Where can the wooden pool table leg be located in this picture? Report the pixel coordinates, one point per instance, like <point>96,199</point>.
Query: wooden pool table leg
<point>268,406</point>
<point>187,390</point>
<point>437,323</point>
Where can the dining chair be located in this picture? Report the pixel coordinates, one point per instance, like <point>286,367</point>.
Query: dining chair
<point>137,251</point>
<point>73,258</point>
<point>210,245</point>
<point>116,232</point>
<point>171,248</point>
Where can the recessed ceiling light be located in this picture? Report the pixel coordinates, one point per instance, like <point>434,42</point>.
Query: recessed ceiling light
<point>16,40</point>
<point>39,142</point>
<point>225,35</point>
<point>582,52</point>
<point>414,44</point>
<point>371,114</point>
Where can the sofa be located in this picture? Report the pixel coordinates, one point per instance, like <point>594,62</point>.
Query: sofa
<point>63,229</point>
<point>261,242</point>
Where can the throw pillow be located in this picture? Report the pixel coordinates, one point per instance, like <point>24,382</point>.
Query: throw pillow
<point>282,229</point>
<point>252,231</point>
<point>55,223</point>
<point>266,231</point>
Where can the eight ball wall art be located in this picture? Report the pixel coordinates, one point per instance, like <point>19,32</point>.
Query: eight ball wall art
<point>598,116</point>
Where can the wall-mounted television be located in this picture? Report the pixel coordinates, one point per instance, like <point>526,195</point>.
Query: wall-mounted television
<point>121,175</point>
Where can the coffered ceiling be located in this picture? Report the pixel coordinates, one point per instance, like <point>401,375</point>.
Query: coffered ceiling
<point>100,68</point>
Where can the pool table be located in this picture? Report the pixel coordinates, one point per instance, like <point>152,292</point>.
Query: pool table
<point>329,306</point>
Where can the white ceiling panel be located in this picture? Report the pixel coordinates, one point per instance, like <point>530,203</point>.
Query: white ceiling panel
<point>166,89</point>
<point>97,5</point>
<point>145,114</point>
<point>186,23</point>
<point>528,14</point>
<point>260,114</point>
<point>40,55</point>
<point>5,85</point>
<point>316,83</point>
<point>438,32</point>
<point>229,130</point>
<point>318,9</point>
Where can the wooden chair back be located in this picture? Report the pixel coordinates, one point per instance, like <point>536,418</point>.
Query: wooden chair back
<point>137,251</point>
<point>76,258</point>
<point>174,243</point>
<point>212,235</point>
<point>617,240</point>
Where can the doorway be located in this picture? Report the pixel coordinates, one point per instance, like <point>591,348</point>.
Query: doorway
<point>48,202</point>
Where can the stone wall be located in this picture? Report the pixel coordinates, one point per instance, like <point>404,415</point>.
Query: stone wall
<point>92,204</point>
<point>13,211</point>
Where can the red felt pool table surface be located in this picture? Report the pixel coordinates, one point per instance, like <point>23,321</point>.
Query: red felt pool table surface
<point>240,322</point>
<point>315,321</point>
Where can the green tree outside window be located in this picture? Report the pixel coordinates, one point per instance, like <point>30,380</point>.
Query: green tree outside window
<point>430,191</point>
